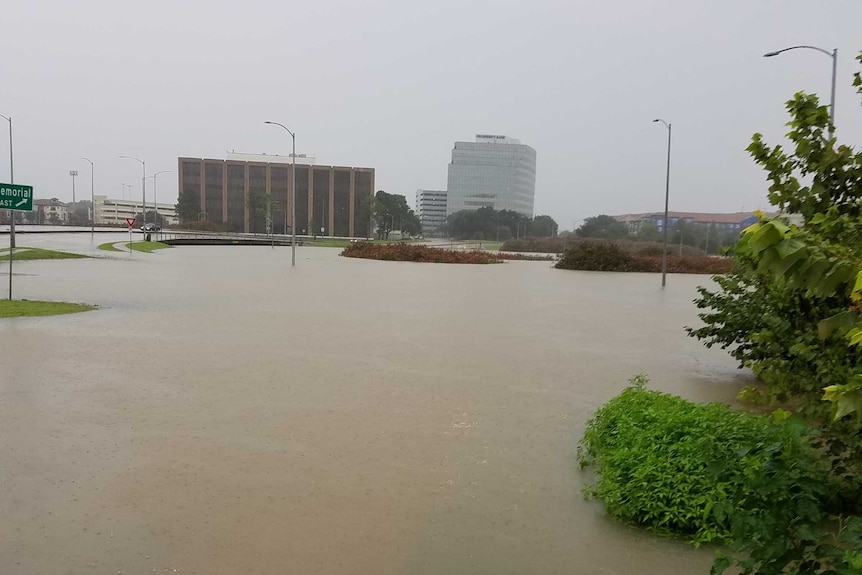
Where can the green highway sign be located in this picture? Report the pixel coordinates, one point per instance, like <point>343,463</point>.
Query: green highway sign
<point>16,197</point>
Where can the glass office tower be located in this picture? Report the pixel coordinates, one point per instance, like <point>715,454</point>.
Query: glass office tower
<point>493,171</point>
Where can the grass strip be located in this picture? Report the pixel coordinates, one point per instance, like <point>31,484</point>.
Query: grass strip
<point>27,308</point>
<point>148,247</point>
<point>25,254</point>
<point>109,247</point>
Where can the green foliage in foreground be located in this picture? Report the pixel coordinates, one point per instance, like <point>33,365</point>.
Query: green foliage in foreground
<point>714,475</point>
<point>148,246</point>
<point>25,308</point>
<point>109,247</point>
<point>25,254</point>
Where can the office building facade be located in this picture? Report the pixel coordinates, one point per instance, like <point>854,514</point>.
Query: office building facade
<point>234,192</point>
<point>431,210</point>
<point>493,171</point>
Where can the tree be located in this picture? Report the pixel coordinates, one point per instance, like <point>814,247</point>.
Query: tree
<point>80,213</point>
<point>188,206</point>
<point>603,227</point>
<point>391,212</point>
<point>649,232</point>
<point>792,312</point>
<point>151,217</point>
<point>465,224</point>
<point>542,227</point>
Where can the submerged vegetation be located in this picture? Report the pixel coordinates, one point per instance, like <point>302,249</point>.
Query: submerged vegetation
<point>417,253</point>
<point>611,257</point>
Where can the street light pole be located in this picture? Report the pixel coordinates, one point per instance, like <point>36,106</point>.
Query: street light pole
<point>156,197</point>
<point>74,174</point>
<point>293,210</point>
<point>11,212</point>
<point>834,55</point>
<point>92,197</point>
<point>143,186</point>
<point>666,198</point>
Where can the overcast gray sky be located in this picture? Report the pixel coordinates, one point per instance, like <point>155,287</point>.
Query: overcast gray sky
<point>392,84</point>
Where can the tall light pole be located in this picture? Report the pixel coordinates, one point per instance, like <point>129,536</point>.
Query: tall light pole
<point>11,212</point>
<point>834,55</point>
<point>92,197</point>
<point>155,197</point>
<point>74,174</point>
<point>666,198</point>
<point>143,186</point>
<point>293,209</point>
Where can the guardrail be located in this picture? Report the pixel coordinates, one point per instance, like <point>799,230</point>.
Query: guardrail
<point>180,238</point>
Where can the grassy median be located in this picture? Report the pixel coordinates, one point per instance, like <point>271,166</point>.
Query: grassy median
<point>109,247</point>
<point>25,254</point>
<point>148,246</point>
<point>27,308</point>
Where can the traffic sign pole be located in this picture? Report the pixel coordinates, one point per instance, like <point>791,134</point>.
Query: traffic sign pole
<point>15,197</point>
<point>131,222</point>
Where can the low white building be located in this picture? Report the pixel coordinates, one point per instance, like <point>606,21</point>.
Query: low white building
<point>431,209</point>
<point>112,211</point>
<point>51,211</point>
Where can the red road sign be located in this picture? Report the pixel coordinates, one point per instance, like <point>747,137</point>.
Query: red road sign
<point>130,221</point>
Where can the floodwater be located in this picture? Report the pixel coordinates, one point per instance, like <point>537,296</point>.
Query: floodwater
<point>223,413</point>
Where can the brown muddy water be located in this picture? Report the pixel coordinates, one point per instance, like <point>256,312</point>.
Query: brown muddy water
<point>223,413</point>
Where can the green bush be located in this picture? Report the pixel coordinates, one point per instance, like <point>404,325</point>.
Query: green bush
<point>600,257</point>
<point>711,474</point>
<point>612,257</point>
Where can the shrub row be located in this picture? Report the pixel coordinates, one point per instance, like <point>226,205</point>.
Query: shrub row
<point>712,474</point>
<point>612,257</point>
<point>558,245</point>
<point>529,257</point>
<point>417,253</point>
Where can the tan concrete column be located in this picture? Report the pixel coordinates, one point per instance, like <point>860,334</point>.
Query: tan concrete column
<point>267,195</point>
<point>290,192</point>
<point>331,218</point>
<point>203,191</point>
<point>224,192</point>
<point>245,201</point>
<point>352,202</point>
<point>308,228</point>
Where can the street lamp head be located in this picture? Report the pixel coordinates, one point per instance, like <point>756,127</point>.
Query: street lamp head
<point>656,120</point>
<point>770,54</point>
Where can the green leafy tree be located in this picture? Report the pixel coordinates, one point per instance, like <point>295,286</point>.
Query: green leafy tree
<point>188,206</point>
<point>80,214</point>
<point>791,312</point>
<point>391,212</point>
<point>542,227</point>
<point>151,217</point>
<point>465,224</point>
<point>603,226</point>
<point>649,232</point>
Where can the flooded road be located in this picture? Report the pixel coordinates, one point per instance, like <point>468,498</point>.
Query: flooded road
<point>223,413</point>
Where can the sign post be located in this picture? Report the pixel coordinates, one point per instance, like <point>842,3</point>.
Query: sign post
<point>131,222</point>
<point>15,197</point>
